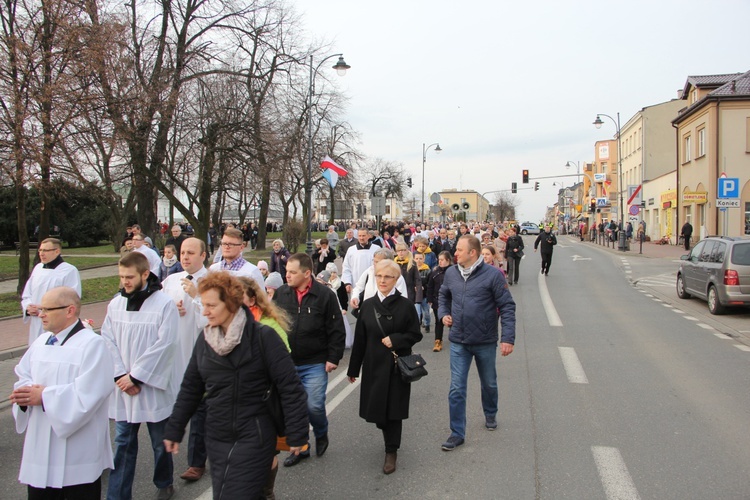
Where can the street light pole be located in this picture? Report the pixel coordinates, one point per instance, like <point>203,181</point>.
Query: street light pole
<point>424,159</point>
<point>340,68</point>
<point>598,124</point>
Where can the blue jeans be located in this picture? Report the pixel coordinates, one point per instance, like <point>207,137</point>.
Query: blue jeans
<point>425,316</point>
<point>197,442</point>
<point>461,355</point>
<point>126,452</point>
<point>315,380</point>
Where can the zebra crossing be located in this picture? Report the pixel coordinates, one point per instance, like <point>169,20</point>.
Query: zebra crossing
<point>666,280</point>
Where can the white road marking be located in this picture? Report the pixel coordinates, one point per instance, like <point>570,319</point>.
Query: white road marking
<point>572,365</point>
<point>549,306</point>
<point>705,326</point>
<point>332,385</point>
<point>579,257</point>
<point>722,336</point>
<point>656,300</point>
<point>649,295</point>
<point>667,305</point>
<point>678,311</point>
<point>742,347</point>
<point>691,318</point>
<point>614,474</point>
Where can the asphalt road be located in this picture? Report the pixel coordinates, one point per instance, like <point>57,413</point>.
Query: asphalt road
<point>617,389</point>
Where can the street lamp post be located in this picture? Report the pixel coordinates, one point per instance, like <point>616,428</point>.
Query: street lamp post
<point>340,68</point>
<point>598,124</point>
<point>424,159</point>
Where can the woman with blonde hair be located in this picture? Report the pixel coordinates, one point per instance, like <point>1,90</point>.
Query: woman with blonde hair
<point>279,257</point>
<point>410,273</point>
<point>264,310</point>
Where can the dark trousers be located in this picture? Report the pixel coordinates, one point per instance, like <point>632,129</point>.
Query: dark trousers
<point>438,326</point>
<point>391,434</point>
<point>88,491</point>
<point>197,441</point>
<point>546,262</point>
<point>687,242</point>
<point>513,269</point>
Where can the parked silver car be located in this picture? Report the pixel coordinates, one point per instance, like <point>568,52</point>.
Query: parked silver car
<point>717,270</point>
<point>528,228</point>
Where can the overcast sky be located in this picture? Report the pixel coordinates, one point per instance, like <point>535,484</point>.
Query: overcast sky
<point>504,86</point>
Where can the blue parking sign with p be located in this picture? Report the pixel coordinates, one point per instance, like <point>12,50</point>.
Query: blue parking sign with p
<point>729,187</point>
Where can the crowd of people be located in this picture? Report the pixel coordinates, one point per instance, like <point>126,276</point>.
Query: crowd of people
<point>221,348</point>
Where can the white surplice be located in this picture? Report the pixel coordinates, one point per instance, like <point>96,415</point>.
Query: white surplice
<point>143,344</point>
<point>67,442</point>
<point>356,262</point>
<point>190,325</point>
<point>40,282</point>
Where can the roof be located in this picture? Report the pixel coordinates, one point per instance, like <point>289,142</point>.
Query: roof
<point>730,86</point>
<point>739,85</point>
<point>707,81</point>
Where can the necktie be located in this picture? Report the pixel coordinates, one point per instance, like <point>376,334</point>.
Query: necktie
<point>52,340</point>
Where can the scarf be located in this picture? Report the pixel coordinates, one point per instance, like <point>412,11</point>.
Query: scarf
<point>138,297</point>
<point>169,262</point>
<point>53,263</point>
<point>466,271</point>
<point>224,342</point>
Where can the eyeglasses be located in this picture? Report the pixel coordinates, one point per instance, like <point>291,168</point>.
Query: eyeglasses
<point>45,250</point>
<point>384,277</point>
<point>45,310</point>
<point>227,244</point>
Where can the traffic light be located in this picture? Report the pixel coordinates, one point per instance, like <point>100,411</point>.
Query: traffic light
<point>408,181</point>
<point>525,176</point>
<point>592,208</point>
<point>513,187</point>
<point>536,186</point>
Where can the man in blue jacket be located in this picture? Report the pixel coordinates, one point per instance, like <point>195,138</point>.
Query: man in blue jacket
<point>469,301</point>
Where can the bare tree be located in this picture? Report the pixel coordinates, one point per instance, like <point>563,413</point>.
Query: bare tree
<point>505,206</point>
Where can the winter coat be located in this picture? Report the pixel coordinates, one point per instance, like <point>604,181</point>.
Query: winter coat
<point>434,282</point>
<point>514,242</point>
<point>316,330</point>
<point>547,241</point>
<point>383,395</point>
<point>474,303</point>
<point>278,262</point>
<point>413,282</point>
<point>234,386</point>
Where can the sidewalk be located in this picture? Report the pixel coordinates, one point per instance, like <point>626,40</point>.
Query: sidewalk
<point>650,249</point>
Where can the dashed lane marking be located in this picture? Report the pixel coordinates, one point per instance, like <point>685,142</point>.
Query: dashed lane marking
<point>705,326</point>
<point>573,366</point>
<point>614,474</point>
<point>549,306</point>
<point>742,347</point>
<point>722,336</point>
<point>691,318</point>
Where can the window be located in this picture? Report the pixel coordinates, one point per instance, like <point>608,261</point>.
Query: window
<point>720,249</point>
<point>686,156</point>
<point>701,142</point>
<point>604,167</point>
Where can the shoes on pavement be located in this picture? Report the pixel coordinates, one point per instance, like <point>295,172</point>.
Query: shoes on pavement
<point>389,467</point>
<point>542,272</point>
<point>165,493</point>
<point>321,445</point>
<point>490,423</point>
<point>452,443</point>
<point>438,346</point>
<point>293,459</point>
<point>193,473</point>
<point>546,274</point>
<point>515,282</point>
<point>427,328</point>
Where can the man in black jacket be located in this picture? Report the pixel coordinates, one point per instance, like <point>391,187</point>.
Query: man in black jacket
<point>316,339</point>
<point>548,241</point>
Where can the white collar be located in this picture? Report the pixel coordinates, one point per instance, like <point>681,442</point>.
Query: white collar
<point>383,297</point>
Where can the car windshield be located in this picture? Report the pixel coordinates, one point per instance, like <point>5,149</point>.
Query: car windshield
<point>741,254</point>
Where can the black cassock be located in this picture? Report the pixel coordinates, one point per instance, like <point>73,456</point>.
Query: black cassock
<point>383,395</point>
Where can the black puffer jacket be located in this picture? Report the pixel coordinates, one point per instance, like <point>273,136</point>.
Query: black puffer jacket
<point>434,282</point>
<point>234,385</point>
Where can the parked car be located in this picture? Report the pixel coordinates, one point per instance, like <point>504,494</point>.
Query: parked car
<point>717,270</point>
<point>528,228</point>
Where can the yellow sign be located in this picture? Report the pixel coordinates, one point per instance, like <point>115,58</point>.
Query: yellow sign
<point>670,195</point>
<point>694,197</point>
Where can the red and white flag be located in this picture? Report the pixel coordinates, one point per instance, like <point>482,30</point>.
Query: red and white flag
<point>328,163</point>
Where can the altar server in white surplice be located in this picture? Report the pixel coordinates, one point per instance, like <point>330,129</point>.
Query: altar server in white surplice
<point>60,401</point>
<point>51,272</point>
<point>183,288</point>
<point>141,332</point>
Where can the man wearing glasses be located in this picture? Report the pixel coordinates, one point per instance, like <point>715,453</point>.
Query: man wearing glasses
<point>140,245</point>
<point>51,272</point>
<point>60,401</point>
<point>232,245</point>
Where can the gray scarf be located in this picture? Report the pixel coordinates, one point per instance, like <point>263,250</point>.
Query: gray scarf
<point>223,342</point>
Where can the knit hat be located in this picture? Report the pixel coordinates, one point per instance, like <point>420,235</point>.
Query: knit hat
<point>324,276</point>
<point>331,268</point>
<point>262,264</point>
<point>274,280</point>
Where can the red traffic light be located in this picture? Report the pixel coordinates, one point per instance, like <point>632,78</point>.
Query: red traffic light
<point>525,176</point>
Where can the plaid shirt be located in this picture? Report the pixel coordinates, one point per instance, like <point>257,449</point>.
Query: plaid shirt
<point>235,265</point>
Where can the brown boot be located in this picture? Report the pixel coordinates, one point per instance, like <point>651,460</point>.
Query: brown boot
<point>268,488</point>
<point>193,473</point>
<point>438,346</point>
<point>389,467</point>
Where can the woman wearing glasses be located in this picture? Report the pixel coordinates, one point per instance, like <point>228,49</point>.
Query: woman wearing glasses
<point>388,322</point>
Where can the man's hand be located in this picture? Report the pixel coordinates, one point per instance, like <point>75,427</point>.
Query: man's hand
<point>505,348</point>
<point>171,447</point>
<point>354,302</point>
<point>181,309</point>
<point>28,395</point>
<point>127,386</point>
<point>352,379</point>
<point>348,289</point>
<point>33,310</point>
<point>447,320</point>
<point>330,367</point>
<point>189,287</point>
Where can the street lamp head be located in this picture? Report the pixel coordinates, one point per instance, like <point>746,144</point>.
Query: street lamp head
<point>598,122</point>
<point>341,66</point>
<point>568,165</point>
<point>437,148</point>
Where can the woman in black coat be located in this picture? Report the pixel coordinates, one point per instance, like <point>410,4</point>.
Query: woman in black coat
<point>410,272</point>
<point>384,397</point>
<point>434,282</point>
<point>231,368</point>
<point>513,252</point>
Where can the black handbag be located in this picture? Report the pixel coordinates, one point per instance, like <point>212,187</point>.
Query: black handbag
<point>411,367</point>
<point>271,396</point>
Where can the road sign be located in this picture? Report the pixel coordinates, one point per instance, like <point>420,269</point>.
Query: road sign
<point>634,209</point>
<point>724,203</point>
<point>602,202</point>
<point>434,197</point>
<point>634,197</point>
<point>729,187</point>
<point>377,205</point>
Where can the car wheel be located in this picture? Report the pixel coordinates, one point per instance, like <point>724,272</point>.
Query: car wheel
<point>524,232</point>
<point>714,306</point>
<point>681,293</point>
